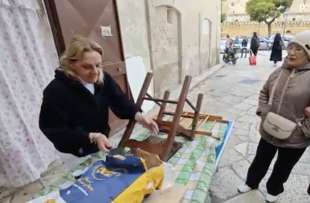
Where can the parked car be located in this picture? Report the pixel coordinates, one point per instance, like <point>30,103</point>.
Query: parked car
<point>264,44</point>
<point>286,39</point>
<point>237,43</point>
<point>222,45</point>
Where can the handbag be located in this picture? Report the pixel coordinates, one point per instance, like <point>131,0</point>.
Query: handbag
<point>252,58</point>
<point>274,124</point>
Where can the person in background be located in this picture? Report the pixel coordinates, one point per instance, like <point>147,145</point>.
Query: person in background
<point>244,45</point>
<point>292,80</point>
<point>228,44</point>
<point>75,109</point>
<point>276,51</point>
<point>254,43</point>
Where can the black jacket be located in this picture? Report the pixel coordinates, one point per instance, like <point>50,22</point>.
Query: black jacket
<point>244,43</point>
<point>276,51</point>
<point>69,112</point>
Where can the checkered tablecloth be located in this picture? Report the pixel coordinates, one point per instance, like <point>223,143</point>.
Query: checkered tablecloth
<point>194,163</point>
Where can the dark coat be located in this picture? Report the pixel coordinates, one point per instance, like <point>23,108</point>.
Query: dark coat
<point>254,45</point>
<point>244,43</point>
<point>69,112</point>
<point>276,51</point>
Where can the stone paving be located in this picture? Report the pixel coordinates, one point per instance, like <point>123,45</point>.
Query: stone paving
<point>233,92</point>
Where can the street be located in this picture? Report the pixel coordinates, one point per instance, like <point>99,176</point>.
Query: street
<point>232,92</point>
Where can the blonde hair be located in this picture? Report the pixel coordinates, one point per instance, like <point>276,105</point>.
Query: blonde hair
<point>74,52</point>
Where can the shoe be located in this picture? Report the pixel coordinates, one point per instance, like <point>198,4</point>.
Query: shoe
<point>271,198</point>
<point>244,188</point>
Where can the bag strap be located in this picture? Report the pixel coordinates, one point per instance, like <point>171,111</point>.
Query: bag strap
<point>283,91</point>
<point>273,89</point>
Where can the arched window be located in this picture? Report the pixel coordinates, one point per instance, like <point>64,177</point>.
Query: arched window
<point>170,15</point>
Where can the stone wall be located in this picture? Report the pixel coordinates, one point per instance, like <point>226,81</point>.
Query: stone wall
<point>246,29</point>
<point>134,30</point>
<point>236,11</point>
<point>174,37</point>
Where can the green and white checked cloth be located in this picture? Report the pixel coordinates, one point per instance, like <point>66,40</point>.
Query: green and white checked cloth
<point>194,163</point>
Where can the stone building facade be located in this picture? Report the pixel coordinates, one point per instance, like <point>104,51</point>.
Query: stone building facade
<point>235,11</point>
<point>238,23</point>
<point>174,37</point>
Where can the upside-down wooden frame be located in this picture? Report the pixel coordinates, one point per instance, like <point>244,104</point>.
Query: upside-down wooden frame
<point>162,147</point>
<point>179,125</point>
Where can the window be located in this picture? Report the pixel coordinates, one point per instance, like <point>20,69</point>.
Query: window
<point>170,15</point>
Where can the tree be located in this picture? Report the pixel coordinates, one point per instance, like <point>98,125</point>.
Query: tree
<point>267,10</point>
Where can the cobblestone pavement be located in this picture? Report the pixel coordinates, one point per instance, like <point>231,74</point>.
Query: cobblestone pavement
<point>233,93</point>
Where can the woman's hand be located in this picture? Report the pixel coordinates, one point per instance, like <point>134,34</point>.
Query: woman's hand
<point>147,122</point>
<point>101,140</point>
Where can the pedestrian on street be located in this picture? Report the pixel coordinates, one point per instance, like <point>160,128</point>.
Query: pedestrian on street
<point>289,86</point>
<point>254,43</point>
<point>244,45</point>
<point>75,109</point>
<point>276,51</point>
<point>228,43</point>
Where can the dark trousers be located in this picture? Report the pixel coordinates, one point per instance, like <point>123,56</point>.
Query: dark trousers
<point>254,51</point>
<point>286,160</point>
<point>244,51</point>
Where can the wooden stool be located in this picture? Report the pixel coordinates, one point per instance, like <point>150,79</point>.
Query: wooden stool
<point>165,148</point>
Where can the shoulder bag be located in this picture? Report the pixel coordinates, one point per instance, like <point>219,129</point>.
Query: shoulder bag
<point>274,124</point>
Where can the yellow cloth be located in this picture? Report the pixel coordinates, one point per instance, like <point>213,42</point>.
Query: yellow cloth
<point>144,185</point>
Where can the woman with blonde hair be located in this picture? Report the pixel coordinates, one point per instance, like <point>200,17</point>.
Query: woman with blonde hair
<point>75,109</point>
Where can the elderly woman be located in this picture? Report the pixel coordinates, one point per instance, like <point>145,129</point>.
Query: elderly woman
<point>291,96</point>
<point>74,113</point>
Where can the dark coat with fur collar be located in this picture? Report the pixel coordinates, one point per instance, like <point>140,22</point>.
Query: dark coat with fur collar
<point>69,112</point>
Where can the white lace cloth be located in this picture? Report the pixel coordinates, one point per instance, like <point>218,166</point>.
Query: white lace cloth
<point>27,62</point>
